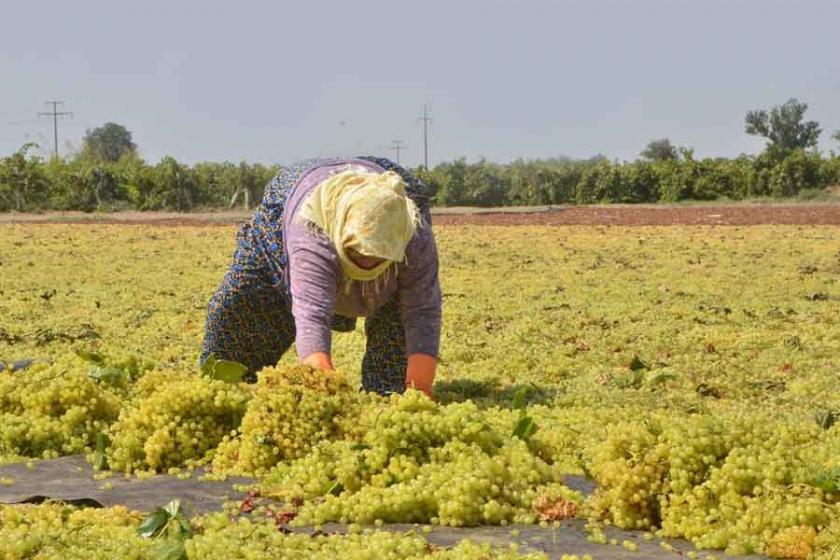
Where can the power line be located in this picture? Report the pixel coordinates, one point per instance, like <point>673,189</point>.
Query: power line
<point>55,114</point>
<point>425,118</point>
<point>397,145</point>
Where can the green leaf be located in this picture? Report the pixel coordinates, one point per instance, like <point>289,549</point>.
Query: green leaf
<point>826,418</point>
<point>519,398</point>
<point>100,460</point>
<point>336,489</point>
<point>524,427</point>
<point>631,379</point>
<point>109,375</point>
<point>154,524</point>
<point>661,377</point>
<point>828,480</point>
<point>161,519</point>
<point>360,446</point>
<point>636,364</point>
<point>185,527</point>
<point>170,550</point>
<point>102,441</point>
<point>209,365</point>
<point>224,370</point>
<point>229,371</point>
<point>90,356</point>
<point>173,509</point>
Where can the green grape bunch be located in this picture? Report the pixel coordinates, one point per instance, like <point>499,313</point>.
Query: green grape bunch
<point>54,409</point>
<point>176,423</point>
<point>293,408</point>
<point>418,462</point>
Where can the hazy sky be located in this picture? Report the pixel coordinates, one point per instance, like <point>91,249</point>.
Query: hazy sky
<point>278,81</point>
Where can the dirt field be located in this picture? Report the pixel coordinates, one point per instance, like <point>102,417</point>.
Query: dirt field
<point>618,215</point>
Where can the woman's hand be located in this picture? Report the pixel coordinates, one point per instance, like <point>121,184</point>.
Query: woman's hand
<point>319,360</point>
<point>420,373</point>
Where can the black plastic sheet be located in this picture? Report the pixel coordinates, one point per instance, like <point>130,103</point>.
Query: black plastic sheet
<point>70,479</point>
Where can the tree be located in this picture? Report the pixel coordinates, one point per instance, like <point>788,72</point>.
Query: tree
<point>837,136</point>
<point>176,184</point>
<point>108,142</point>
<point>784,127</point>
<point>22,181</point>
<point>660,150</point>
<point>247,183</point>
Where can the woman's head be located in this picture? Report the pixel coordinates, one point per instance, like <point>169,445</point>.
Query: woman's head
<point>368,217</point>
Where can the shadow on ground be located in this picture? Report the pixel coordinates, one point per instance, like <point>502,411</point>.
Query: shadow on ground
<point>490,392</point>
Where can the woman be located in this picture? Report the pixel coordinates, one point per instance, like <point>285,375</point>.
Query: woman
<point>334,240</point>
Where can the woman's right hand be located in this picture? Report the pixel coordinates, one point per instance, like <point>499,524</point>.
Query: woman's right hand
<point>420,373</point>
<point>319,360</point>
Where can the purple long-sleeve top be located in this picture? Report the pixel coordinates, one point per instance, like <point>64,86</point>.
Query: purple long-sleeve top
<point>315,275</point>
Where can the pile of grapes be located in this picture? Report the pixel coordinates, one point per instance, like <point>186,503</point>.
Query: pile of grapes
<point>53,532</point>
<point>742,479</point>
<point>224,538</point>
<point>743,482</point>
<point>293,409</point>
<point>56,409</point>
<point>174,420</point>
<point>416,461</point>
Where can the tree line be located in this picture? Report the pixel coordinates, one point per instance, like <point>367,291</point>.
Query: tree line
<point>29,183</point>
<point>108,174</point>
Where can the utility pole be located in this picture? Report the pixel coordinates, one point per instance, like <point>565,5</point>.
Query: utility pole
<point>55,113</point>
<point>425,118</point>
<point>397,145</point>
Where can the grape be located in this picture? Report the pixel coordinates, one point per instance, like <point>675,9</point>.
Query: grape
<point>417,461</point>
<point>294,407</point>
<point>53,531</point>
<point>222,538</point>
<point>740,483</point>
<point>53,409</point>
<point>629,468</point>
<point>710,435</point>
<point>176,422</point>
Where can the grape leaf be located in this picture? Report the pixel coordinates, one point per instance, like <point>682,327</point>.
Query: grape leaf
<point>224,370</point>
<point>109,375</point>
<point>159,520</point>
<point>173,509</point>
<point>229,371</point>
<point>519,398</point>
<point>636,364</point>
<point>336,489</point>
<point>524,427</point>
<point>90,356</point>
<point>661,377</point>
<point>828,480</point>
<point>153,524</point>
<point>826,418</point>
<point>186,530</point>
<point>182,529</point>
<point>171,550</point>
<point>100,460</point>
